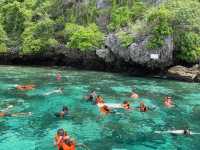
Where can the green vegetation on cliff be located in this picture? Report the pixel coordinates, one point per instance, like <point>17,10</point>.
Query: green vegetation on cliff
<point>35,26</point>
<point>180,19</point>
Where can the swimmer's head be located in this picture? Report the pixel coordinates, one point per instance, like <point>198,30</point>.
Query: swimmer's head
<point>65,109</point>
<point>142,103</point>
<point>186,132</point>
<point>61,132</point>
<point>125,102</point>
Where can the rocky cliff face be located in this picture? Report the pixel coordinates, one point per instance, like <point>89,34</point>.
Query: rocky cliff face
<point>138,52</point>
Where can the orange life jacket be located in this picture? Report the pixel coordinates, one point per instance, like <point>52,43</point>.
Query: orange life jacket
<point>68,147</point>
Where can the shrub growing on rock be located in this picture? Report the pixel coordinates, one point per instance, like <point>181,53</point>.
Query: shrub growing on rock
<point>37,37</point>
<point>125,38</point>
<point>83,38</point>
<point>3,38</point>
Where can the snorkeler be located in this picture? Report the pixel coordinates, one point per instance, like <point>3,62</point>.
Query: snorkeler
<point>63,113</point>
<point>3,114</point>
<point>91,97</point>
<point>177,132</point>
<point>59,90</point>
<point>168,102</point>
<point>25,87</point>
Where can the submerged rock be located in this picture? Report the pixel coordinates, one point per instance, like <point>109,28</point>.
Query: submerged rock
<point>184,73</point>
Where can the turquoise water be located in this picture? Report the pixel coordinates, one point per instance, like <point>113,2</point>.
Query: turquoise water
<point>125,130</point>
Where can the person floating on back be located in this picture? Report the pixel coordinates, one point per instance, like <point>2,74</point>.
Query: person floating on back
<point>25,87</point>
<point>62,113</point>
<point>178,132</point>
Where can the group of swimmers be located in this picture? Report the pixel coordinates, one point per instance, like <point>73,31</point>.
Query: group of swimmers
<point>106,108</point>
<point>62,139</point>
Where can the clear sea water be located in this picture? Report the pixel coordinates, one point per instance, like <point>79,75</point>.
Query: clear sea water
<point>124,130</point>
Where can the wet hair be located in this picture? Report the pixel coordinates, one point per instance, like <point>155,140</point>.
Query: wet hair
<point>65,108</point>
<point>90,98</point>
<point>125,102</point>
<point>186,131</point>
<point>61,132</point>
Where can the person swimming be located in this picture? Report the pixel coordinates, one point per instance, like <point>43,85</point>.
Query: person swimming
<point>3,114</point>
<point>134,95</point>
<point>126,105</point>
<point>91,97</point>
<point>58,76</point>
<point>63,113</point>
<point>59,138</point>
<point>25,87</point>
<point>178,132</point>
<point>143,107</point>
<point>59,90</point>
<point>168,102</point>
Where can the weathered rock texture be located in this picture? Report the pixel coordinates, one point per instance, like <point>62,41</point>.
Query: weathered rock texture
<point>138,52</point>
<point>186,74</point>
